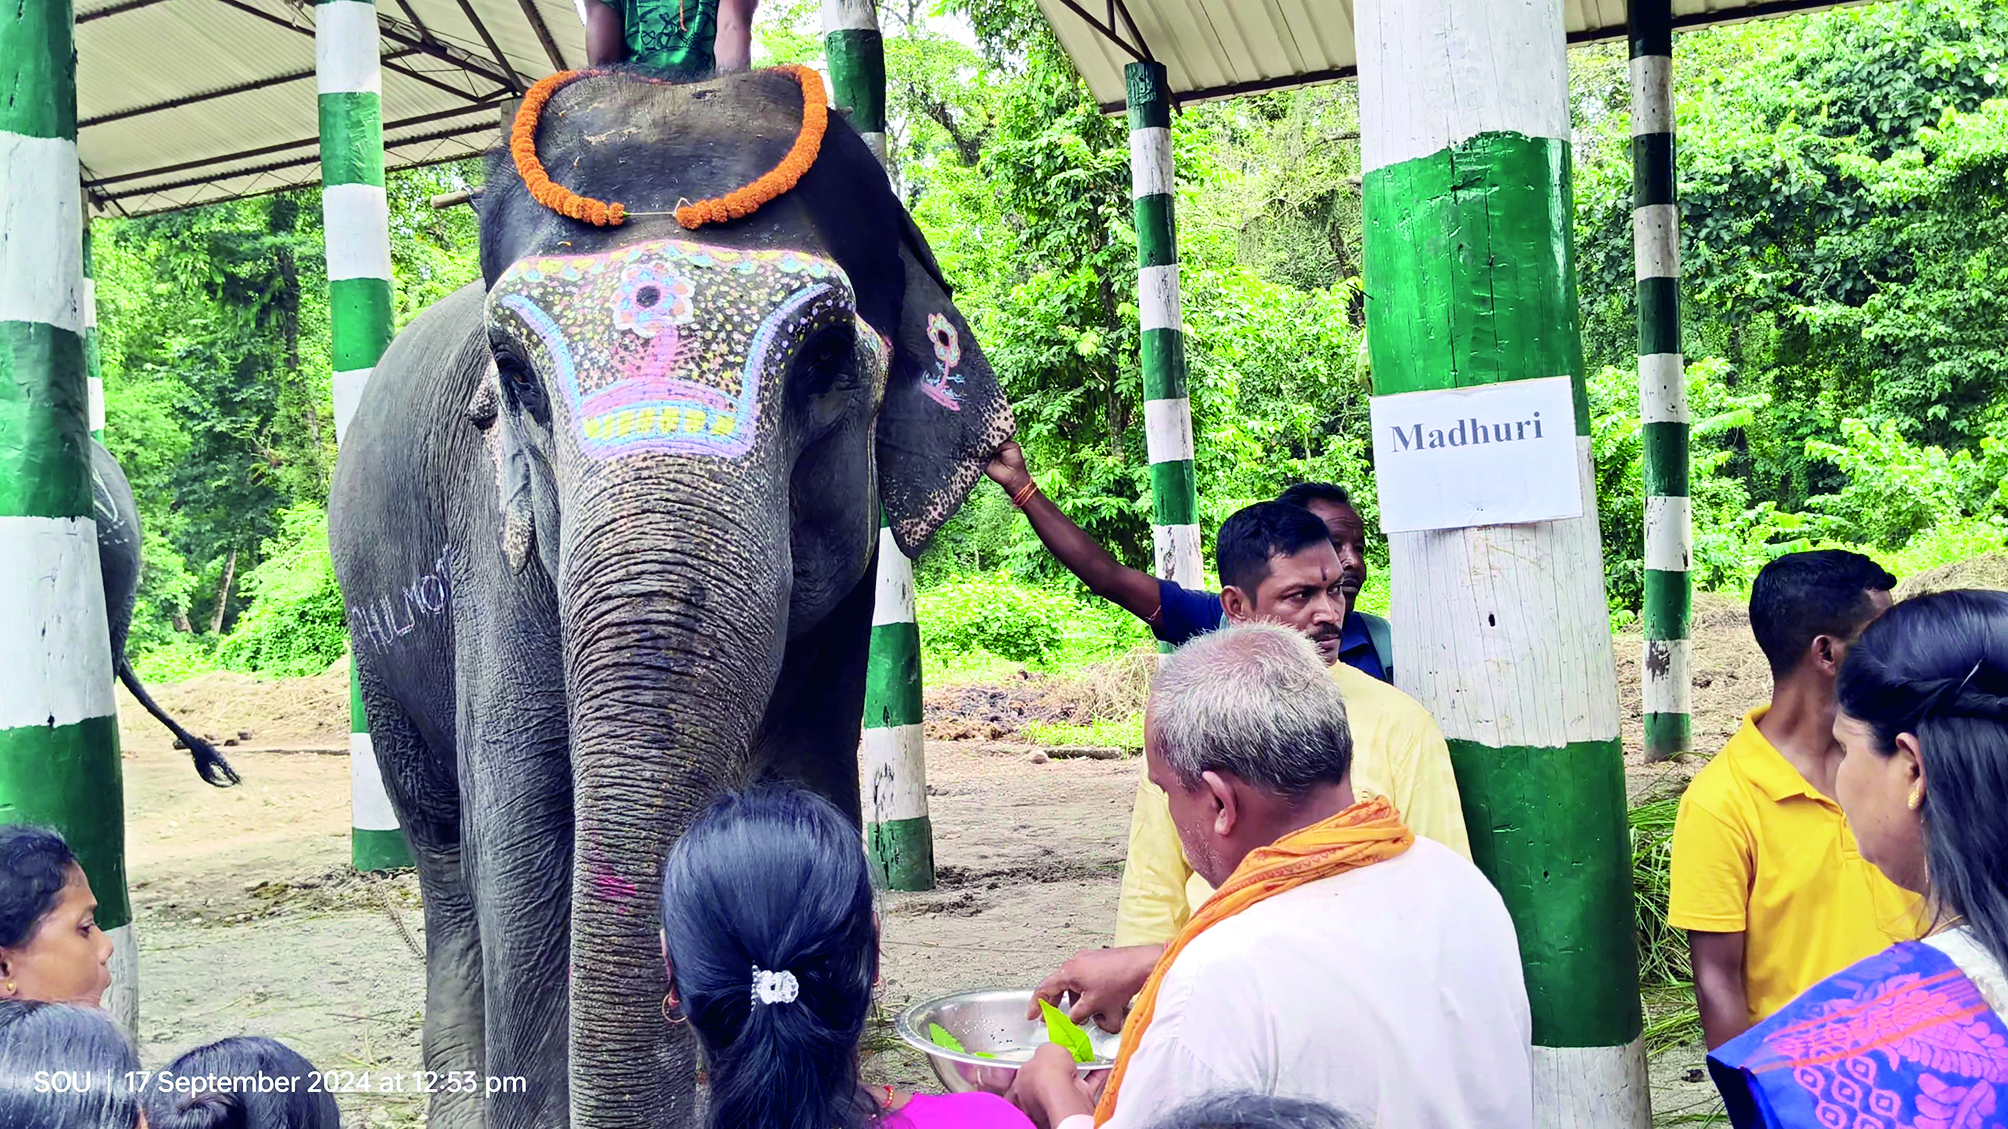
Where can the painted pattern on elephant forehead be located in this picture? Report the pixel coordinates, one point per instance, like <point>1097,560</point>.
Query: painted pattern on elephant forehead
<point>663,346</point>
<point>384,621</point>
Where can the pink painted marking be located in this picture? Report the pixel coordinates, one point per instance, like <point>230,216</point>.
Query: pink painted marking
<point>614,888</point>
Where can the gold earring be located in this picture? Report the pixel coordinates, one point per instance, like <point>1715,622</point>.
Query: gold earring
<point>10,987</point>
<point>670,1001</point>
<point>1916,798</point>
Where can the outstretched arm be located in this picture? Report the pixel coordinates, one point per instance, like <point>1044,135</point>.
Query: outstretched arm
<point>1134,591</point>
<point>606,42</point>
<point>733,50</point>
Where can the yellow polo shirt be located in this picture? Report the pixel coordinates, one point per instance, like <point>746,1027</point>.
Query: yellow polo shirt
<point>1398,752</point>
<point>1758,850</point>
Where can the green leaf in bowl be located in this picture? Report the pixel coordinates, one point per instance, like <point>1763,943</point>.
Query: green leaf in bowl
<point>939,1036</point>
<point>1067,1033</point>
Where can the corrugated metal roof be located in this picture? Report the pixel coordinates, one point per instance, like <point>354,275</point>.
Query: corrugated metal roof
<point>182,102</point>
<point>1219,48</point>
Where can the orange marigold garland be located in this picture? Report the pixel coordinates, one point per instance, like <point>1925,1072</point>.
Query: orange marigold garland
<point>731,206</point>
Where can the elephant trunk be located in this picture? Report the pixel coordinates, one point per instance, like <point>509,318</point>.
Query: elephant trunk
<point>675,620</point>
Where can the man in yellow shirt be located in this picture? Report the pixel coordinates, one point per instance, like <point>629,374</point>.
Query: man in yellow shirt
<point>1766,876</point>
<point>1277,564</point>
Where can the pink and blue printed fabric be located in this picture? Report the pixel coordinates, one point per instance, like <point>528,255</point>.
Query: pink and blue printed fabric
<point>1902,1040</point>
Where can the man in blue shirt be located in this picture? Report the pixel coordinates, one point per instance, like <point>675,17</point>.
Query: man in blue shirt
<point>1176,614</point>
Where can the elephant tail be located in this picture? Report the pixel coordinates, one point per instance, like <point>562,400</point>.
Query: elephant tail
<point>209,764</point>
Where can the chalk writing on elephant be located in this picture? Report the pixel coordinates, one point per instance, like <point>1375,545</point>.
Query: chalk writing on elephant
<point>385,620</point>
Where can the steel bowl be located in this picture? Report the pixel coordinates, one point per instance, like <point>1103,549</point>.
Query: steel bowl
<point>992,1021</point>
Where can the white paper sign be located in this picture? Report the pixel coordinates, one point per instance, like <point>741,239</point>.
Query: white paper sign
<point>1496,454</point>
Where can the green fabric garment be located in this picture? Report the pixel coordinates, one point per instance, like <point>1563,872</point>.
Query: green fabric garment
<point>671,37</point>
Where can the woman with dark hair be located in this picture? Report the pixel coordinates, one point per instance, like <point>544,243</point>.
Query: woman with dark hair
<point>65,1067</point>
<point>771,944</point>
<point>50,945</point>
<point>1914,1035</point>
<point>268,1085</point>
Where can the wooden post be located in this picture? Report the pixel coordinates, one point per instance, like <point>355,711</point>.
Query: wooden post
<point>1662,386</point>
<point>1167,414</point>
<point>59,741</point>
<point>1504,633</point>
<point>356,216</point>
<point>94,369</point>
<point>898,833</point>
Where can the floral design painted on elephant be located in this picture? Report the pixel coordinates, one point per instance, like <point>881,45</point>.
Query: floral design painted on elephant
<point>663,346</point>
<point>942,385</point>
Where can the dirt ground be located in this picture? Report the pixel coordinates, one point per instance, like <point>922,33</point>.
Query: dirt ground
<point>250,920</point>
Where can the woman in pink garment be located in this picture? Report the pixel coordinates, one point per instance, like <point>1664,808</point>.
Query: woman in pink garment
<point>771,944</point>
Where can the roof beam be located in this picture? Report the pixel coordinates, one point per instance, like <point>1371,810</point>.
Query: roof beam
<point>1759,11</point>
<point>288,163</point>
<point>1106,32</point>
<point>149,194</point>
<point>115,9</point>
<point>284,146</point>
<point>1118,6</point>
<point>543,31</point>
<point>516,82</point>
<point>412,15</point>
<point>401,35</point>
<point>404,35</point>
<point>1309,78</point>
<point>208,96</point>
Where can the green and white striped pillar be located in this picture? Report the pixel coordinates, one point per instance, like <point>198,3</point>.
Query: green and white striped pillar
<point>899,837</point>
<point>356,215</point>
<point>855,50</point>
<point>59,741</point>
<point>1662,385</point>
<point>1167,415</point>
<point>94,369</point>
<point>1470,274</point>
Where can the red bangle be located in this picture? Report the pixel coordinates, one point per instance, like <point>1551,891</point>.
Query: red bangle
<point>1024,495</point>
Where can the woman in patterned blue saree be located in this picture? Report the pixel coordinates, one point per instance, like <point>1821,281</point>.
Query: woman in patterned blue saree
<point>1912,1038</point>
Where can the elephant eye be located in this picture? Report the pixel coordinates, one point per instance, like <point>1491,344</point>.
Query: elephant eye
<point>518,382</point>
<point>824,359</point>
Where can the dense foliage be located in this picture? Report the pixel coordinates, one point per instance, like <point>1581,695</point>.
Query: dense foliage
<point>1844,188</point>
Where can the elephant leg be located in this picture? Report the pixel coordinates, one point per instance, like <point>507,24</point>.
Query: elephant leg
<point>423,796</point>
<point>520,841</point>
<point>810,733</point>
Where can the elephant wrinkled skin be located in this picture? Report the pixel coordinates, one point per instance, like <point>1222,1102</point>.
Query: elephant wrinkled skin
<point>606,526</point>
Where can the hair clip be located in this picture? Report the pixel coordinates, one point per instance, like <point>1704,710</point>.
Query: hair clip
<point>775,987</point>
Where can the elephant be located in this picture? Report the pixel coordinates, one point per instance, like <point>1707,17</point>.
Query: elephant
<point>119,540</point>
<point>606,524</point>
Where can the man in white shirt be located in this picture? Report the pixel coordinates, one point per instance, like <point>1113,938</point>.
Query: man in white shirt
<point>1342,958</point>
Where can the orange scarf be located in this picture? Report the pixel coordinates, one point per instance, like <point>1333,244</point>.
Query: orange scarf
<point>1364,834</point>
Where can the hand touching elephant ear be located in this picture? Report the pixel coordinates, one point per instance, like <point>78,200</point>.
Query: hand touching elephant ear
<point>944,416</point>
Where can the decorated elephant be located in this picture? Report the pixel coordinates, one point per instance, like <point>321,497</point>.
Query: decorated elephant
<point>119,539</point>
<point>606,525</point>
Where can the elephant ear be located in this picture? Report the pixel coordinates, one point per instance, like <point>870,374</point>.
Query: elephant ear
<point>512,468</point>
<point>944,415</point>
